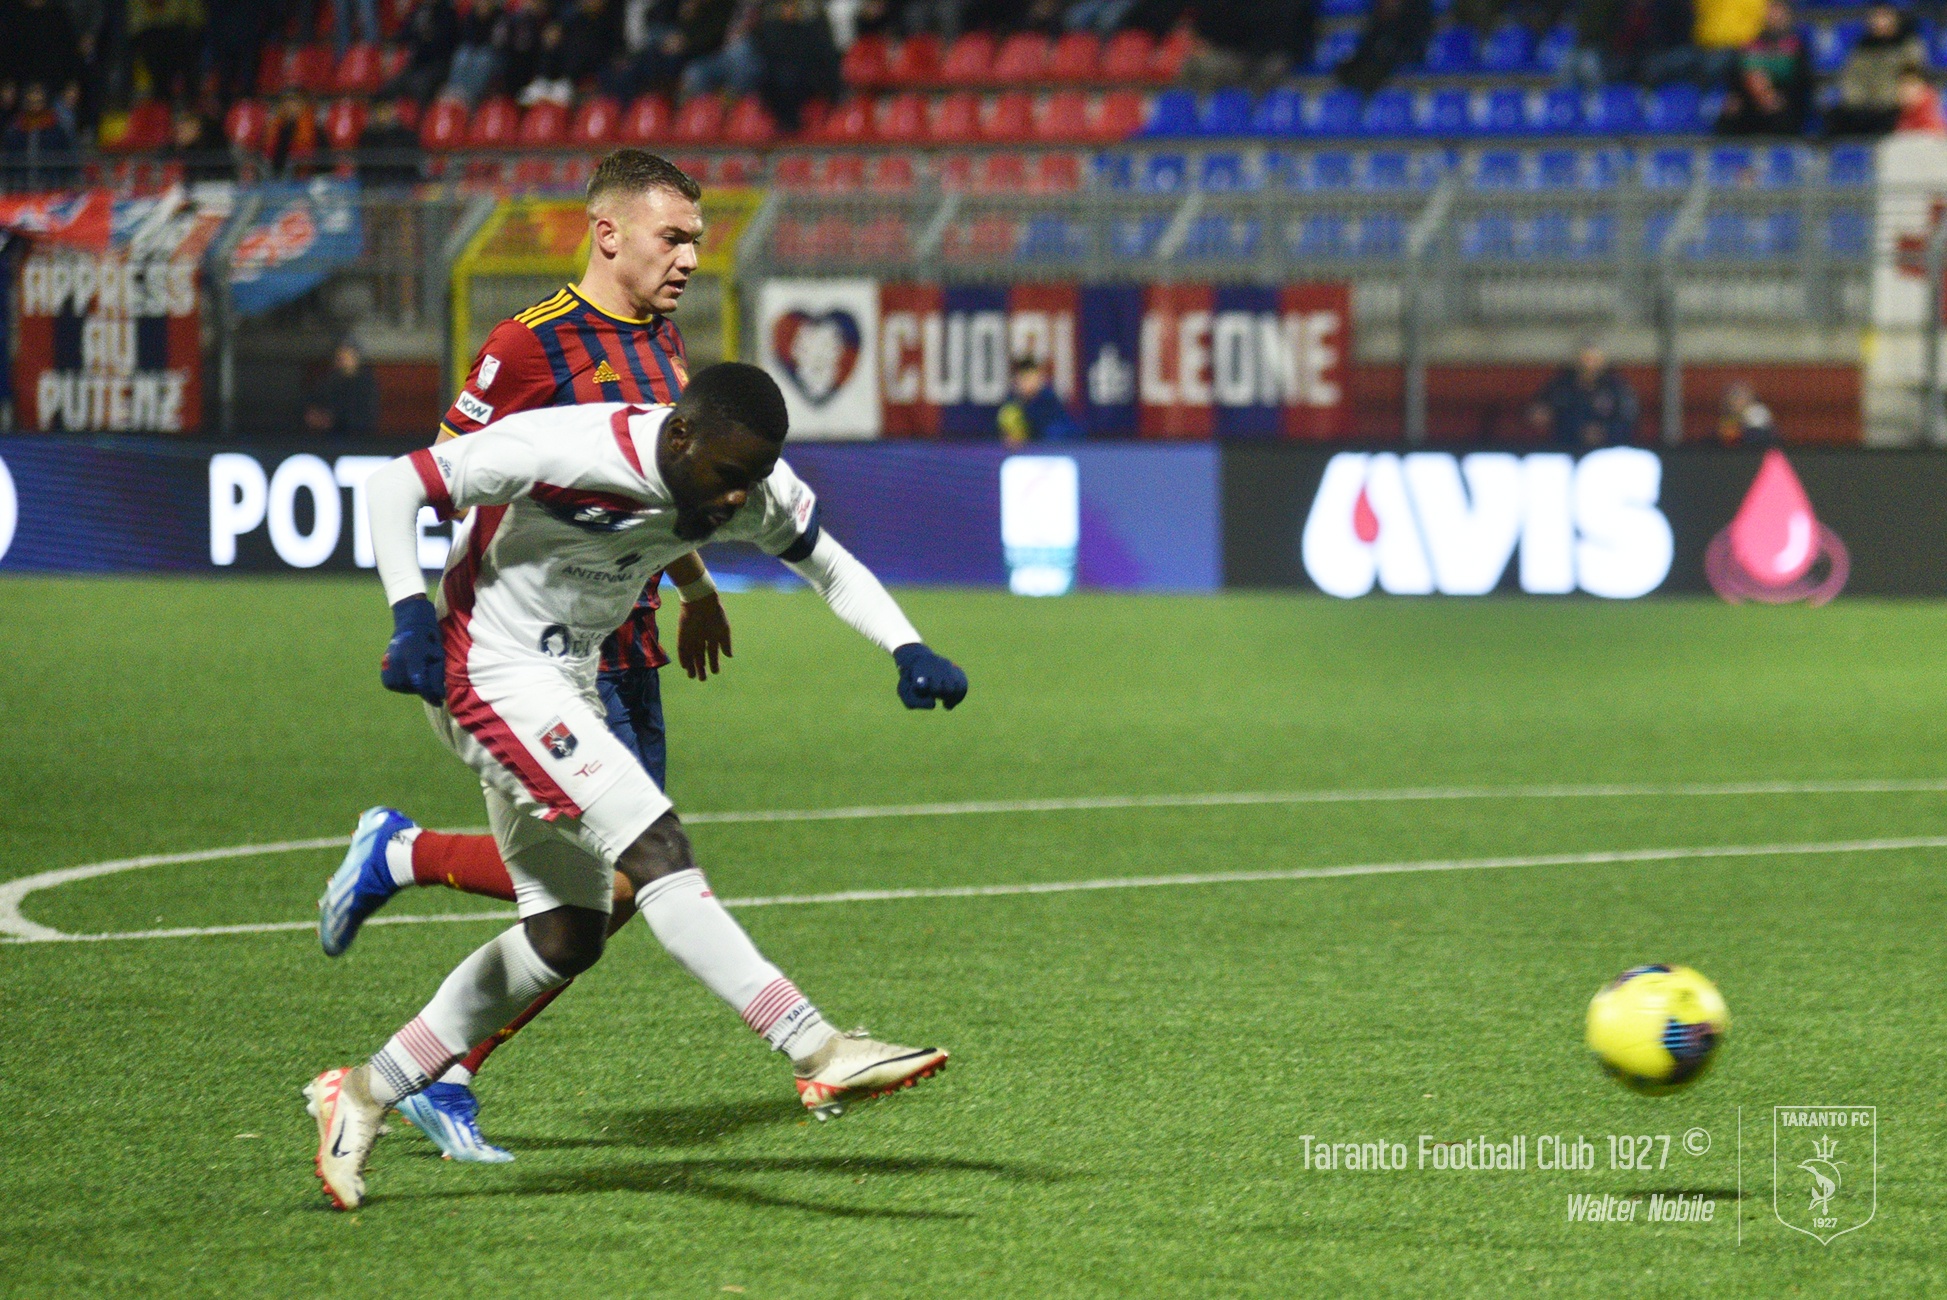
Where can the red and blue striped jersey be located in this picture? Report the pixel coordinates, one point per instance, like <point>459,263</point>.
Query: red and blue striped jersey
<point>562,351</point>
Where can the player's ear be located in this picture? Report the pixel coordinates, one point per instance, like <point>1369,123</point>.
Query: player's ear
<point>676,434</point>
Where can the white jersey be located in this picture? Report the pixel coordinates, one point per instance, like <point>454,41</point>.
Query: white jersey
<point>569,519</point>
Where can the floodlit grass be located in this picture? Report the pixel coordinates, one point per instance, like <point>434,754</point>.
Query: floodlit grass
<point>1136,1073</point>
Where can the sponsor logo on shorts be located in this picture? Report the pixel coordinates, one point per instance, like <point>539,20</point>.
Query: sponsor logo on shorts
<point>474,409</point>
<point>589,769</point>
<point>560,741</point>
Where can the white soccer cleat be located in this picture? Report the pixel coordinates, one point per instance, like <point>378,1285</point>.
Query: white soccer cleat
<point>348,1125</point>
<point>852,1067</point>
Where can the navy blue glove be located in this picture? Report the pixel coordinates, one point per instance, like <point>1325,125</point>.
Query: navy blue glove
<point>925,677</point>
<point>415,659</point>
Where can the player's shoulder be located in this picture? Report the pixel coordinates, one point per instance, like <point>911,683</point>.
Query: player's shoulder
<point>561,302</point>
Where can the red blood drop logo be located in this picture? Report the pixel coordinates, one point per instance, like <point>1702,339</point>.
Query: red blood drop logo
<point>1770,550</point>
<point>1365,524</point>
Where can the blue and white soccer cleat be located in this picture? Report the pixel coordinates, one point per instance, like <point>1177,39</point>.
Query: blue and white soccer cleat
<point>448,1113</point>
<point>362,883</point>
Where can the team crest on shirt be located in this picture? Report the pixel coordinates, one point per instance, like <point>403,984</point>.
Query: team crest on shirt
<point>559,740</point>
<point>489,367</point>
<point>605,373</point>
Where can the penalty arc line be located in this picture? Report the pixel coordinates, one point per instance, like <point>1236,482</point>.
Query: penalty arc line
<point>1616,856</point>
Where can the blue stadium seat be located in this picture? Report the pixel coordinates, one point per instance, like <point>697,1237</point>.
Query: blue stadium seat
<point>1222,237</point>
<point>1053,239</point>
<point>1669,169</point>
<point>1781,167</point>
<point>1551,54</point>
<point>1226,114</point>
<point>1676,109</point>
<point>1598,236</point>
<point>1330,170</point>
<point>1508,48</point>
<point>1136,238</point>
<point>1322,234</point>
<point>1500,169</point>
<point>1334,48</point>
<point>1616,110</point>
<point>1558,169</point>
<point>1280,113</point>
<point>1115,171</point>
<point>1388,113</point>
<point>1560,112</point>
<point>1490,235</point>
<point>1553,235</point>
<point>1849,164</point>
<point>1386,170</point>
<point>1609,168</point>
<point>1937,46</point>
<point>1726,236</point>
<point>1165,173</point>
<point>1451,51</point>
<point>1780,234</point>
<point>1656,228</point>
<point>1280,170</point>
<point>1382,234</point>
<point>1849,233</point>
<point>1732,168</point>
<point>1448,113</point>
<point>1172,113</point>
<point>1336,114</point>
<point>1225,173</point>
<point>1506,112</point>
<point>1831,42</point>
<point>1341,8</point>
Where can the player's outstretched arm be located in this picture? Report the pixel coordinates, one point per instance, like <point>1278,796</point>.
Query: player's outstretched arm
<point>702,628</point>
<point>862,601</point>
<point>415,659</point>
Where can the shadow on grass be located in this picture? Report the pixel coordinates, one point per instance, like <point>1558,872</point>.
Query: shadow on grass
<point>668,1127</point>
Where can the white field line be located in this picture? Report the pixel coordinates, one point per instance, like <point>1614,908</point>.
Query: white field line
<point>16,928</point>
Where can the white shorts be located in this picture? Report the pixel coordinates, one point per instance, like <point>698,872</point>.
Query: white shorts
<point>564,796</point>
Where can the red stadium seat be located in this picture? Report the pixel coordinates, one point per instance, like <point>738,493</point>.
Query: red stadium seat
<point>596,124</point>
<point>538,173</point>
<point>1064,119</point>
<point>849,123</point>
<point>246,124</point>
<point>1022,58</point>
<point>1057,173</point>
<point>901,119</point>
<point>647,121</point>
<point>1171,55</point>
<point>699,120</point>
<point>1121,115</point>
<point>392,16</point>
<point>868,64</point>
<point>576,168</point>
<point>1010,119</point>
<point>359,72</point>
<point>1077,56</point>
<point>148,127</point>
<point>967,60</point>
<point>984,239</point>
<point>739,169</point>
<point>845,172</point>
<point>443,125</point>
<point>1128,55</point>
<point>1004,173</point>
<point>312,69</point>
<point>885,239</point>
<point>749,124</point>
<point>696,166</point>
<point>544,126</point>
<point>344,120</point>
<point>917,61</point>
<point>270,69</point>
<point>495,124</point>
<point>796,171</point>
<point>956,118</point>
<point>956,172</point>
<point>894,174</point>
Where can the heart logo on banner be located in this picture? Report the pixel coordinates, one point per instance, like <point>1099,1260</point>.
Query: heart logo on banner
<point>818,351</point>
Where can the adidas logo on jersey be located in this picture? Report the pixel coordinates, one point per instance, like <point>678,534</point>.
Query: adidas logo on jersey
<point>605,373</point>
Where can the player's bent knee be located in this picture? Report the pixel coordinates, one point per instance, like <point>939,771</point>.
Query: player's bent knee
<point>568,939</point>
<point>662,850</point>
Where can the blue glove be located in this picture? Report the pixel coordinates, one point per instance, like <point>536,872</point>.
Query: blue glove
<point>415,659</point>
<point>925,677</point>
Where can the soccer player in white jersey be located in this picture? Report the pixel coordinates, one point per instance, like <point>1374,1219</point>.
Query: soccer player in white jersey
<point>571,509</point>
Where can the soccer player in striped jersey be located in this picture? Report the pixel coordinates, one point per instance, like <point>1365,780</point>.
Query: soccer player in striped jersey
<point>609,338</point>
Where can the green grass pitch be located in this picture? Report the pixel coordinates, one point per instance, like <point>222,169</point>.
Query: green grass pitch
<point>1136,1071</point>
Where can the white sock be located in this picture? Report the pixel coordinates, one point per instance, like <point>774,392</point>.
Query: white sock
<point>483,993</point>
<point>458,1074</point>
<point>398,856</point>
<point>694,928</point>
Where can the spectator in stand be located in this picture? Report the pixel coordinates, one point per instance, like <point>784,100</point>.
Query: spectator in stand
<point>1588,404</point>
<point>1035,412</point>
<point>344,403</point>
<point>716,37</point>
<point>429,34</point>
<point>521,52</point>
<point>572,47</point>
<point>236,38</point>
<point>1251,42</point>
<point>480,54</point>
<point>1772,84</point>
<point>1920,104</point>
<point>1395,35</point>
<point>347,13</point>
<point>1745,421</point>
<point>197,147</point>
<point>166,39</point>
<point>800,61</point>
<point>1618,40</point>
<point>1103,17</point>
<point>41,47</point>
<point>38,148</point>
<point>1868,85</point>
<point>651,54</point>
<point>388,149</point>
<point>292,141</point>
<point>1722,29</point>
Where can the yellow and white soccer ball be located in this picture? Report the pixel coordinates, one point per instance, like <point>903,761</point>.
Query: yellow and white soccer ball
<point>1656,1029</point>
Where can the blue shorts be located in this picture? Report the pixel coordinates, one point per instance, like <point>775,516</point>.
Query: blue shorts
<point>634,700</point>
